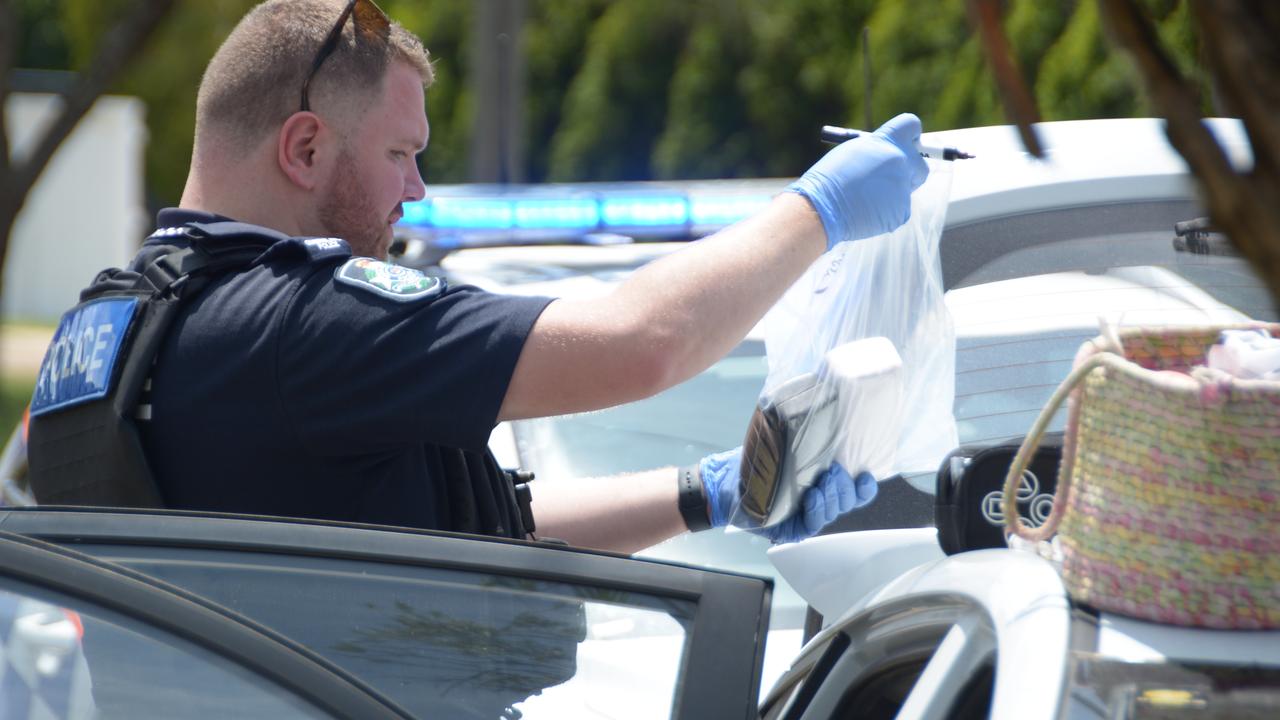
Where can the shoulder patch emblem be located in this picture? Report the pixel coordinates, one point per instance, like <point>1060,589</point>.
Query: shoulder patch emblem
<point>394,282</point>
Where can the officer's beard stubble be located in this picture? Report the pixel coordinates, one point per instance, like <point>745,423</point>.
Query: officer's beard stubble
<point>347,212</point>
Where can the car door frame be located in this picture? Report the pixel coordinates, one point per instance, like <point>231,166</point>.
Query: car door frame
<point>724,652</point>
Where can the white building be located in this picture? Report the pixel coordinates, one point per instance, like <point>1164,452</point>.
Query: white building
<point>85,213</point>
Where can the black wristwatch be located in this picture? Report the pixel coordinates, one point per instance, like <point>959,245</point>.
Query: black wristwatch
<point>692,499</point>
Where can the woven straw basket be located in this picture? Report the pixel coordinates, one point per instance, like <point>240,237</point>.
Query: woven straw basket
<point>1168,498</point>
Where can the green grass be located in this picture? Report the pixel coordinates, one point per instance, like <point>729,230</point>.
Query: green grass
<point>17,335</point>
<point>15,393</point>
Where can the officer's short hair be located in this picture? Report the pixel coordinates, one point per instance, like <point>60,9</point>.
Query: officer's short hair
<point>254,81</point>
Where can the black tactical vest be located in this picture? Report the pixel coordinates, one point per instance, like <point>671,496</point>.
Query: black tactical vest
<point>84,444</point>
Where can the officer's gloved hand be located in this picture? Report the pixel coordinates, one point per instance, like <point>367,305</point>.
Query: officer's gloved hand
<point>833,495</point>
<point>862,187</point>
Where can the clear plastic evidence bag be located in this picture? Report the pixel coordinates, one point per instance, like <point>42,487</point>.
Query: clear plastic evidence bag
<point>861,353</point>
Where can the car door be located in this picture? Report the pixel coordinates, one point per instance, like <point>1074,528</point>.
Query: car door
<point>458,626</point>
<point>80,638</point>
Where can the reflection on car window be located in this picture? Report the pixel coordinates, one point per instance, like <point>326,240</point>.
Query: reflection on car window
<point>457,644</point>
<point>1016,338</point>
<point>706,414</point>
<point>60,662</point>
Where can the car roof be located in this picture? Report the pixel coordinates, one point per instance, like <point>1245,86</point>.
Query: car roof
<point>1086,162</point>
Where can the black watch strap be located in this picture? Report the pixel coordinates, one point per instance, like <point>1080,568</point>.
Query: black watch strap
<point>692,499</point>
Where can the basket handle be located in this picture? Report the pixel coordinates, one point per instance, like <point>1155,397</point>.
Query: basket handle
<point>1030,444</point>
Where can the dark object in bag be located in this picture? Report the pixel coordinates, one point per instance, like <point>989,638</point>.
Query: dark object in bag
<point>968,507</point>
<point>791,440</point>
<point>763,453</point>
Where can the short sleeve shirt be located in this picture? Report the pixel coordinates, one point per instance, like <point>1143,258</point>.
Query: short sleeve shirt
<point>282,390</point>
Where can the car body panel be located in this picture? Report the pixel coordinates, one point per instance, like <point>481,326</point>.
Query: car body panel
<point>834,572</point>
<point>963,611</point>
<point>1087,162</point>
<point>1029,610</point>
<point>1134,640</point>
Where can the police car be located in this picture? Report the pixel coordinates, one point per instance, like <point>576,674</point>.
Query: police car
<point>1033,254</point>
<point>873,619</point>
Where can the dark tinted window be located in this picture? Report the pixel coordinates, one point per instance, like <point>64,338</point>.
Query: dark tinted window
<point>451,643</point>
<point>63,658</point>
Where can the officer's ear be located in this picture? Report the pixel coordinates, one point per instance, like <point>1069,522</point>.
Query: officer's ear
<point>298,148</point>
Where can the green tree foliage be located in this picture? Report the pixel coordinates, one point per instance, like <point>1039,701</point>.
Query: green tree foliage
<point>616,104</point>
<point>914,56</point>
<point>442,25</point>
<point>166,76</point>
<point>755,83</point>
<point>938,70</point>
<point>705,133</point>
<point>1082,76</point>
<point>42,43</point>
<point>555,37</point>
<point>638,89</point>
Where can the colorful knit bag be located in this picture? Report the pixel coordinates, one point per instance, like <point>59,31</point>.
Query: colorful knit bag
<point>1168,499</point>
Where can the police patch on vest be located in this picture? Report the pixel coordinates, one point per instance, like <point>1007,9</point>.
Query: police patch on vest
<point>78,365</point>
<point>395,282</point>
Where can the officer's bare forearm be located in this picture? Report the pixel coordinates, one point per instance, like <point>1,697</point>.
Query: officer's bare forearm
<point>697,304</point>
<point>669,321</point>
<point>623,513</point>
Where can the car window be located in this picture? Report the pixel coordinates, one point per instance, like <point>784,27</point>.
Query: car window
<point>1016,338</point>
<point>706,414</point>
<point>455,643</point>
<point>66,658</point>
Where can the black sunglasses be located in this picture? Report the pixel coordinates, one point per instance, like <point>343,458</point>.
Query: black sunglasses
<point>369,19</point>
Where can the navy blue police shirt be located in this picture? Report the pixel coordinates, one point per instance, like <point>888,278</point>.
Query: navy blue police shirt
<point>329,388</point>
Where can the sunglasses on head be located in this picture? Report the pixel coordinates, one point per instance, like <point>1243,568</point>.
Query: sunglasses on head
<point>369,19</point>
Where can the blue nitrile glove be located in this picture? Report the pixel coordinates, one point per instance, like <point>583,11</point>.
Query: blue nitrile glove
<point>833,495</point>
<point>862,187</point>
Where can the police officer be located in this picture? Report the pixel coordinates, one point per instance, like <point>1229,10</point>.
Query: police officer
<point>317,380</point>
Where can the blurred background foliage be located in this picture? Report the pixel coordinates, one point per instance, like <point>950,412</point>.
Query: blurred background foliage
<point>649,89</point>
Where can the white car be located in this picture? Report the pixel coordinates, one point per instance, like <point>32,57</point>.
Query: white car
<point>1034,253</point>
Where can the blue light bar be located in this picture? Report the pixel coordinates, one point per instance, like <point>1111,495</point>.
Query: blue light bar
<point>471,213</point>
<point>479,215</point>
<point>725,209</point>
<point>644,211</point>
<point>417,213</point>
<point>569,214</point>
